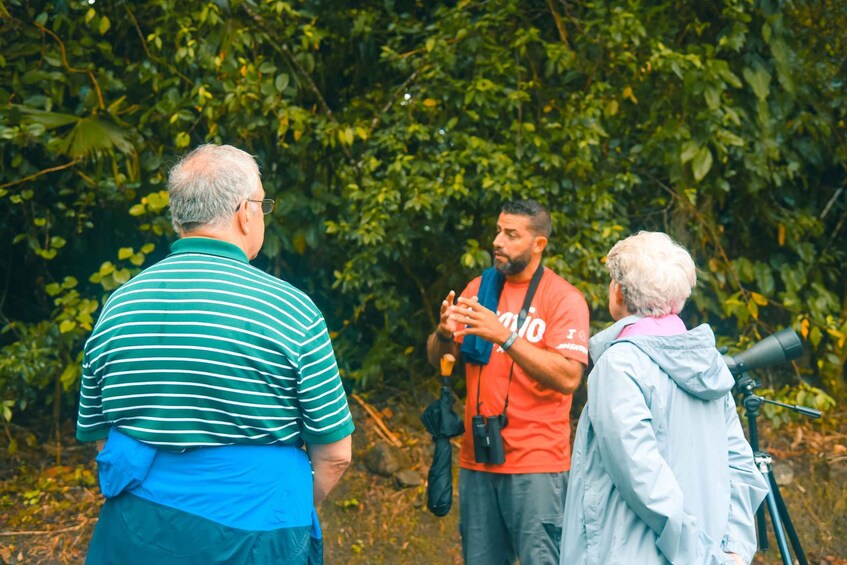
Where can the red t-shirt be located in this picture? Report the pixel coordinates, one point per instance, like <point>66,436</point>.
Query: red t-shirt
<point>537,437</point>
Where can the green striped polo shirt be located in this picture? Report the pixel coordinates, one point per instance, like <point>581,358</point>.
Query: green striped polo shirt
<point>203,349</point>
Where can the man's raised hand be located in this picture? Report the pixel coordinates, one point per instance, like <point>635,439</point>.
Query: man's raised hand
<point>447,327</point>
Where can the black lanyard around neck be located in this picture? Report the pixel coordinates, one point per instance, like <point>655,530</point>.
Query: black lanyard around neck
<point>527,302</point>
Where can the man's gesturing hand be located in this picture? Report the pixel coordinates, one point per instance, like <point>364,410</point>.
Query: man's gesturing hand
<point>478,320</point>
<point>447,327</point>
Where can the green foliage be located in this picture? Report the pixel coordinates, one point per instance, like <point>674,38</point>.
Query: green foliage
<point>391,132</point>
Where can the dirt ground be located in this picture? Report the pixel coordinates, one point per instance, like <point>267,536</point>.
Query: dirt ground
<point>49,497</point>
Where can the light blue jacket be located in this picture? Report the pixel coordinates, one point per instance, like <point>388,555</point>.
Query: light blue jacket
<point>661,471</point>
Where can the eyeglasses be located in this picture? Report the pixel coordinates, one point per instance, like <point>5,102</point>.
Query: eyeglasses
<point>267,205</point>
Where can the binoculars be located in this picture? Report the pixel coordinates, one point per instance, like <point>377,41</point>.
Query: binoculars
<point>488,439</point>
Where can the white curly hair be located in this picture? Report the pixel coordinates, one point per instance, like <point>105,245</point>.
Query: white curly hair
<point>656,274</point>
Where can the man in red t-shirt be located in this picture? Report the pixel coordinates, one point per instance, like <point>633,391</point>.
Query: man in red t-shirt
<point>521,378</point>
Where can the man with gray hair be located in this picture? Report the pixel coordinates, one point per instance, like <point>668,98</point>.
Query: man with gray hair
<point>205,377</point>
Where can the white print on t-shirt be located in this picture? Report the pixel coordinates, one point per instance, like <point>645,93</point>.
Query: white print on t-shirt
<point>532,329</point>
<point>573,347</point>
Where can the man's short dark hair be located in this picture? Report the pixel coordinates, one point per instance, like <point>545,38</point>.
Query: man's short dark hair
<point>540,222</point>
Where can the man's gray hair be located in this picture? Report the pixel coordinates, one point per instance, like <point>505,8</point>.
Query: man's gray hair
<point>656,274</point>
<point>208,184</point>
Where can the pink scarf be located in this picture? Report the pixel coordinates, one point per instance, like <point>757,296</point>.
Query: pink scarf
<point>666,325</point>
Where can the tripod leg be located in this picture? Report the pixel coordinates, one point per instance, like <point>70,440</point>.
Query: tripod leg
<point>789,526</point>
<point>763,461</point>
<point>776,522</point>
<point>762,528</point>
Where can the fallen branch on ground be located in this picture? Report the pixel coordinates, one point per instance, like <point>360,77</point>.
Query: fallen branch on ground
<point>43,532</point>
<point>381,428</point>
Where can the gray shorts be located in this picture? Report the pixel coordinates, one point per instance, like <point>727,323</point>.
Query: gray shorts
<point>503,517</point>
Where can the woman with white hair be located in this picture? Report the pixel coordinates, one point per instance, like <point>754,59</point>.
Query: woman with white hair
<point>661,471</point>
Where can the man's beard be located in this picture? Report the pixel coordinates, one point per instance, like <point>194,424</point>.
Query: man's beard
<point>514,265</point>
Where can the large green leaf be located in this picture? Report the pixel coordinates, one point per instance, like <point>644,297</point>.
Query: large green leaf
<point>701,163</point>
<point>50,120</point>
<point>760,80</point>
<point>94,136</point>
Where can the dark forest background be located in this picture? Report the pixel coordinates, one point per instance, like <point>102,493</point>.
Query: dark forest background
<point>390,132</point>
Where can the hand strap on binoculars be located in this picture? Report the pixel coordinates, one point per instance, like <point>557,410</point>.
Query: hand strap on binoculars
<point>527,302</point>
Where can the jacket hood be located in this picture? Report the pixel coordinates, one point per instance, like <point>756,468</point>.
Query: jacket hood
<point>690,359</point>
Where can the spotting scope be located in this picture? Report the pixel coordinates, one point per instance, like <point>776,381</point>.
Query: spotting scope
<point>781,347</point>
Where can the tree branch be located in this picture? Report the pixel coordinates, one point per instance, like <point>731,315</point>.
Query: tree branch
<point>831,202</point>
<point>46,532</point>
<point>563,34</point>
<point>285,51</point>
<point>382,429</point>
<point>378,117</point>
<point>39,173</point>
<point>702,221</point>
<point>149,55</point>
<point>73,69</point>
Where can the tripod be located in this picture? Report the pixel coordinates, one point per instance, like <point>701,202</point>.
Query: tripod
<point>780,520</point>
